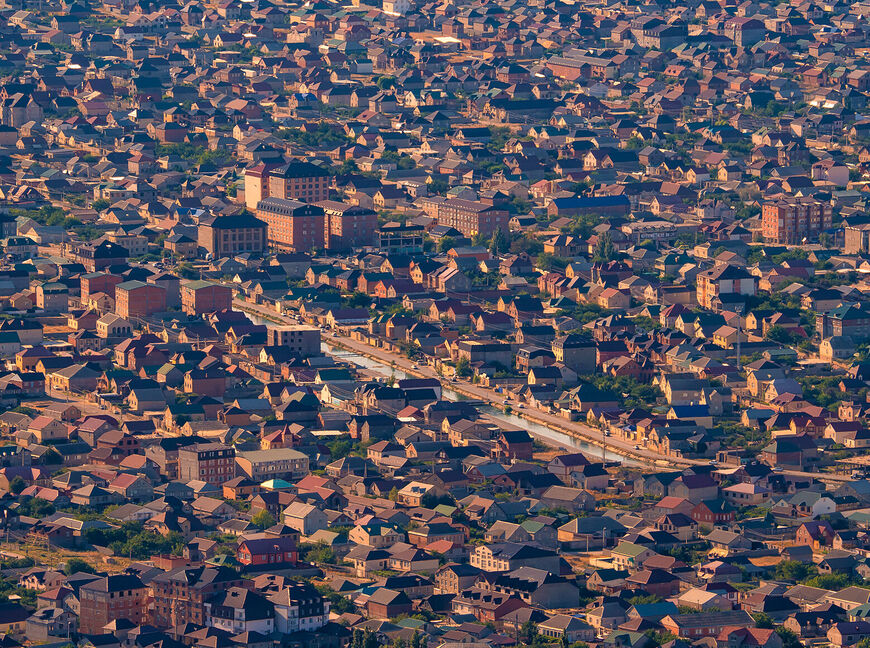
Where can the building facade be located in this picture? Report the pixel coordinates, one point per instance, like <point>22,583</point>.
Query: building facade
<point>198,297</point>
<point>299,181</point>
<point>348,226</point>
<point>139,299</point>
<point>793,220</point>
<point>230,235</point>
<point>292,225</point>
<point>214,463</point>
<point>301,340</point>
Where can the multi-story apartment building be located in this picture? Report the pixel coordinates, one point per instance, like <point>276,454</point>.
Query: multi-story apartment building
<point>724,279</point>
<point>120,596</point>
<point>857,239</point>
<point>292,225</point>
<point>257,183</point>
<point>96,257</point>
<point>214,463</point>
<point>198,297</point>
<point>99,282</point>
<point>230,235</point>
<point>260,465</point>
<point>348,226</point>
<point>794,220</point>
<point>400,237</point>
<point>165,453</point>
<point>179,595</point>
<point>468,216</point>
<point>847,319</point>
<point>299,607</point>
<point>299,181</point>
<point>139,299</point>
<point>301,340</point>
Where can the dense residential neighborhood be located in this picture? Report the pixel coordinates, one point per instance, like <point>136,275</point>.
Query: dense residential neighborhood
<point>451,324</point>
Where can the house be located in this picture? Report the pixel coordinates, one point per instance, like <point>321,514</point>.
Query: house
<point>267,551</point>
<point>387,603</point>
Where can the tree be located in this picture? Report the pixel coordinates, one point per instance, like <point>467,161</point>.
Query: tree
<point>75,565</point>
<point>394,494</point>
<point>463,368</point>
<point>604,250</point>
<point>793,570</point>
<point>779,334</point>
<point>370,640</point>
<point>528,633</point>
<point>763,620</point>
<point>445,243</point>
<point>790,639</point>
<point>358,299</point>
<point>17,485</point>
<point>826,240</point>
<point>418,640</point>
<point>263,519</point>
<point>499,243</point>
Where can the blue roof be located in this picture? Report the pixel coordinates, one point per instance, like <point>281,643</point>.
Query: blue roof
<point>646,610</point>
<point>690,410</point>
<point>591,201</point>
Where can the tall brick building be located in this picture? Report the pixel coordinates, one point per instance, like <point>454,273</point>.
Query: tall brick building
<point>139,299</point>
<point>214,463</point>
<point>292,225</point>
<point>121,596</point>
<point>225,236</point>
<point>299,181</point>
<point>468,216</point>
<point>348,226</point>
<point>257,183</point>
<point>791,220</point>
<point>99,282</point>
<point>179,595</point>
<point>198,297</point>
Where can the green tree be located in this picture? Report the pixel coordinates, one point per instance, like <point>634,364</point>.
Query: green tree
<point>418,640</point>
<point>763,620</point>
<point>463,367</point>
<point>320,553</point>
<point>779,334</point>
<point>394,494</point>
<point>445,243</point>
<point>263,519</point>
<point>499,243</point>
<point>100,204</point>
<point>604,249</point>
<point>528,633</point>
<point>791,640</point>
<point>17,485</point>
<point>358,299</point>
<point>370,640</point>
<point>75,565</point>
<point>793,570</point>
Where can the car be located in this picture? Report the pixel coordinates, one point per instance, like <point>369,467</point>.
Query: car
<point>414,366</point>
<point>636,447</point>
<point>777,469</point>
<point>521,406</point>
<point>505,402</point>
<point>607,434</point>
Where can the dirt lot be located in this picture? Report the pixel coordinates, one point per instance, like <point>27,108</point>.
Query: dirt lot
<point>58,555</point>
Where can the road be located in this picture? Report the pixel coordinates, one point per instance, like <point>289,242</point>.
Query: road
<point>573,428</point>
